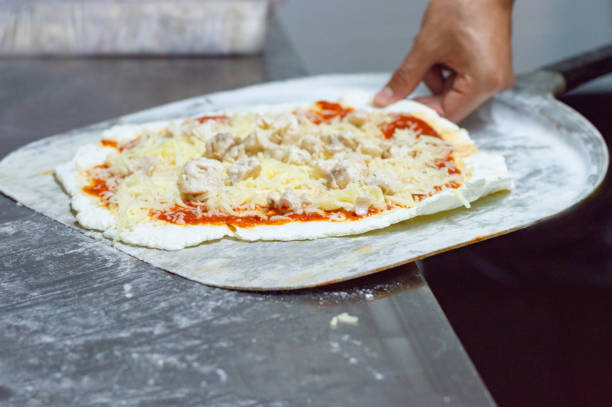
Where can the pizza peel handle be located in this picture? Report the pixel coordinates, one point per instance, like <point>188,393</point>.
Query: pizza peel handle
<point>582,68</point>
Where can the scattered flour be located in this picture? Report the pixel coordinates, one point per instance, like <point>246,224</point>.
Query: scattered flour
<point>343,318</point>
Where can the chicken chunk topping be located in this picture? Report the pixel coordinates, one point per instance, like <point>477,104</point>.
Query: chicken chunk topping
<point>289,154</point>
<point>310,143</point>
<point>288,201</point>
<point>243,169</point>
<point>346,168</point>
<point>222,143</point>
<point>385,180</point>
<point>256,142</point>
<point>332,143</point>
<point>201,176</point>
<point>362,205</point>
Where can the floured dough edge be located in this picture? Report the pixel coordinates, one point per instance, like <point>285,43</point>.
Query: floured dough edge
<point>489,174</point>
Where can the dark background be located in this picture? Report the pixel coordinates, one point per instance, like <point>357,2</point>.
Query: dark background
<point>533,309</point>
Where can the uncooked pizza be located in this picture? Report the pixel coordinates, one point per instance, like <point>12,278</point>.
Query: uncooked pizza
<point>286,172</point>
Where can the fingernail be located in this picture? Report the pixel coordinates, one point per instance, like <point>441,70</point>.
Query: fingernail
<point>384,96</point>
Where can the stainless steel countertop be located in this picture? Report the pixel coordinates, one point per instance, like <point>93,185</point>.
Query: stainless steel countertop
<point>97,327</point>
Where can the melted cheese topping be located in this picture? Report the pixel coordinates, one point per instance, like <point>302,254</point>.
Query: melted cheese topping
<point>142,176</point>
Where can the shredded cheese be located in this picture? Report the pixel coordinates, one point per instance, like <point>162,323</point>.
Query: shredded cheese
<point>146,170</point>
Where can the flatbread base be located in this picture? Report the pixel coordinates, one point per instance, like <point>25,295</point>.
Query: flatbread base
<point>491,176</point>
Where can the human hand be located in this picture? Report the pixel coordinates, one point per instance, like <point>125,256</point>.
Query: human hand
<point>463,53</point>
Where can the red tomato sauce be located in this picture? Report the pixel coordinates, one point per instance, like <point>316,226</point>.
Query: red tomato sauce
<point>130,144</point>
<point>222,118</point>
<point>109,143</point>
<point>326,111</point>
<point>112,143</point>
<point>449,163</point>
<point>99,188</point>
<point>437,188</point>
<point>402,121</point>
<point>189,216</point>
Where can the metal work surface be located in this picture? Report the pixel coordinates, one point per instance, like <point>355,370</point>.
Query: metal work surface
<point>544,186</point>
<point>85,324</point>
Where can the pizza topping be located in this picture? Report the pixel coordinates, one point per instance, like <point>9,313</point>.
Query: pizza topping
<point>222,144</point>
<point>201,176</point>
<point>349,140</point>
<point>244,168</point>
<point>310,143</point>
<point>115,144</point>
<point>256,142</point>
<point>109,143</point>
<point>289,154</point>
<point>291,138</point>
<point>129,145</point>
<point>288,201</point>
<point>325,111</point>
<point>273,199</point>
<point>278,165</point>
<point>362,205</point>
<point>123,167</point>
<point>448,163</point>
<point>190,214</point>
<point>102,183</point>
<point>144,164</point>
<point>235,152</point>
<point>120,164</point>
<point>403,121</point>
<point>284,122</point>
<point>357,118</point>
<point>221,118</point>
<point>323,168</point>
<point>384,180</point>
<point>350,168</point>
<point>333,144</point>
<point>341,175</point>
<point>203,131</point>
<point>370,148</point>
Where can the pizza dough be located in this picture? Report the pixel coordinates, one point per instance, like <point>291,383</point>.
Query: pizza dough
<point>480,174</point>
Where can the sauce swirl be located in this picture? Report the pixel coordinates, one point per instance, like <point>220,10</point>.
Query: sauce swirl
<point>437,188</point>
<point>403,121</point>
<point>109,143</point>
<point>327,111</point>
<point>222,118</point>
<point>112,143</point>
<point>101,188</point>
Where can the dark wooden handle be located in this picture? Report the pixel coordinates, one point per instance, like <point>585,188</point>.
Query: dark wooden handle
<point>584,67</point>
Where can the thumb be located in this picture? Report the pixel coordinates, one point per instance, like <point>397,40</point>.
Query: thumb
<point>405,79</point>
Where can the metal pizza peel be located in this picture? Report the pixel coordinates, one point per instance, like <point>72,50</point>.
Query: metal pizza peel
<point>556,156</point>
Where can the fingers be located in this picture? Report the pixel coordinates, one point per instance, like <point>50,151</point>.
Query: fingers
<point>461,95</point>
<point>405,79</point>
<point>433,102</point>
<point>434,79</point>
